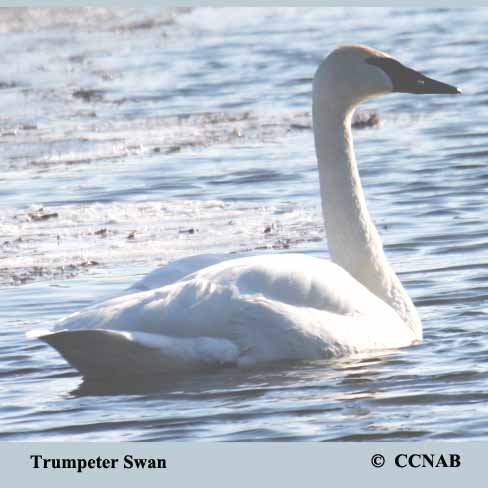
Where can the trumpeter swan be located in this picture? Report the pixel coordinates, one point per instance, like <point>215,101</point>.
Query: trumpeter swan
<point>210,311</point>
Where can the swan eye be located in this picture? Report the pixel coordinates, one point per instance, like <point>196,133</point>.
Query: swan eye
<point>393,68</point>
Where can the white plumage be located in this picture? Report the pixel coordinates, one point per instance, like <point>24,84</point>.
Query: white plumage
<point>215,310</point>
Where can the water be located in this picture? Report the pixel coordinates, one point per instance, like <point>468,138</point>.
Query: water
<point>151,135</point>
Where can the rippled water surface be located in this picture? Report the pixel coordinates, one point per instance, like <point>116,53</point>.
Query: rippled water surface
<point>129,138</point>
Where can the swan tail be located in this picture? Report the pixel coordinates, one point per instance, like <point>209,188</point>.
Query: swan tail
<point>109,353</point>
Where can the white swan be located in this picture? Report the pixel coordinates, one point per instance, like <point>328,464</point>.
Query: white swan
<point>219,310</point>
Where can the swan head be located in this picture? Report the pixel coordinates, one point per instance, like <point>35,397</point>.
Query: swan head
<point>353,73</point>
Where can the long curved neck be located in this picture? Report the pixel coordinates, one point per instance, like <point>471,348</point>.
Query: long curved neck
<point>353,241</point>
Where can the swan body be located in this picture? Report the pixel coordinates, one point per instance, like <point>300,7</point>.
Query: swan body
<point>214,310</point>
<point>245,311</point>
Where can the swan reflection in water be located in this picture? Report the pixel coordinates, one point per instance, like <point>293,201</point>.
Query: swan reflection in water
<point>342,378</point>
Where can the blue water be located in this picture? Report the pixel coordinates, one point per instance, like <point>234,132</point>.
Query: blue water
<point>151,123</point>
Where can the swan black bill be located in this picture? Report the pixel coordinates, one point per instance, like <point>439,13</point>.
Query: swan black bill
<point>407,80</point>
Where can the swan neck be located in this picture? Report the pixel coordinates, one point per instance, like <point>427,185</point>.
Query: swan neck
<point>353,240</point>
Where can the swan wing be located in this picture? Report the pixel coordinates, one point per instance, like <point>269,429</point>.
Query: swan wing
<point>248,310</point>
